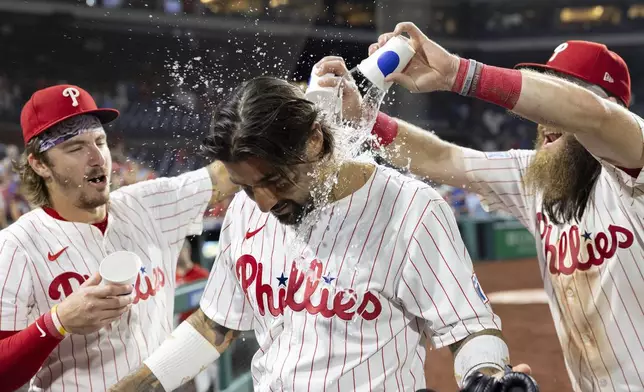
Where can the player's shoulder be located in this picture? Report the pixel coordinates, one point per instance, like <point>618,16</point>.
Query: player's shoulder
<point>405,190</point>
<point>523,156</point>
<point>398,183</point>
<point>129,198</point>
<point>240,208</point>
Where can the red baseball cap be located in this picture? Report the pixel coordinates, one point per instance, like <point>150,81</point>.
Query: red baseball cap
<point>51,105</point>
<point>593,63</point>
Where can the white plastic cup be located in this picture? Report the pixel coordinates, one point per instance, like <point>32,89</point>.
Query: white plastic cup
<point>120,267</point>
<point>326,98</point>
<point>392,57</point>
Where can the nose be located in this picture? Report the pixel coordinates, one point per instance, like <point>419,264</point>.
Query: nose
<point>265,199</point>
<point>96,156</point>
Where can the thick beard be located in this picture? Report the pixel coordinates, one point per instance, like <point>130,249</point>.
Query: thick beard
<point>564,176</point>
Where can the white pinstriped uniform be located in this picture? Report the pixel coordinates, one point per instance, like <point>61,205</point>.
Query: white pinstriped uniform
<point>152,219</point>
<point>593,270</point>
<point>394,244</point>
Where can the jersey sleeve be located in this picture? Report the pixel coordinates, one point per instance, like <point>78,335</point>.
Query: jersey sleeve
<point>16,296</point>
<point>497,177</point>
<point>177,203</point>
<point>223,300</point>
<point>438,283</point>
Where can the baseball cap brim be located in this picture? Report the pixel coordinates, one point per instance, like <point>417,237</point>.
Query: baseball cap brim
<point>105,116</point>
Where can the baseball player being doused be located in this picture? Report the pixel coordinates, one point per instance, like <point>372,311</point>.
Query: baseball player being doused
<point>579,192</point>
<point>343,269</point>
<point>56,330</point>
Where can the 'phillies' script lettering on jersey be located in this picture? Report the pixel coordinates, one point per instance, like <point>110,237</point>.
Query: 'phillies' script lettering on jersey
<point>598,249</point>
<point>250,271</point>
<point>64,282</point>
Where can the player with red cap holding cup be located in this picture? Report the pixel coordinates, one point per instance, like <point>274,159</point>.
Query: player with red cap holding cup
<point>64,325</point>
<point>579,192</point>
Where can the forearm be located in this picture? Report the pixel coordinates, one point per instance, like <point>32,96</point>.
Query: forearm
<point>561,104</point>
<point>484,351</point>
<point>427,155</point>
<point>222,188</point>
<point>186,356</point>
<point>605,128</point>
<point>23,352</point>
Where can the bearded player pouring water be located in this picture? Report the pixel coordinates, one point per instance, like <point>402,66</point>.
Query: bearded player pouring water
<point>56,330</point>
<point>579,192</point>
<point>381,272</point>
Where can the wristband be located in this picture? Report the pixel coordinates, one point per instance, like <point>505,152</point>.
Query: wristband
<point>500,86</point>
<point>483,351</point>
<point>57,324</point>
<point>50,328</point>
<point>181,357</point>
<point>385,129</point>
<point>463,68</point>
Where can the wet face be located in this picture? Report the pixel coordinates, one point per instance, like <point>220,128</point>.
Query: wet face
<point>79,170</point>
<point>285,195</point>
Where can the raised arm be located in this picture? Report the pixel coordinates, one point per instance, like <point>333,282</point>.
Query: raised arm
<point>428,156</point>
<point>603,127</point>
<point>405,145</point>
<point>195,344</point>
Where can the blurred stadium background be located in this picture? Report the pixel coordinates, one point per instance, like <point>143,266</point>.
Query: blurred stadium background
<point>165,63</point>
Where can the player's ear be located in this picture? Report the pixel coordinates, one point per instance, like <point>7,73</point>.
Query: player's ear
<point>39,166</point>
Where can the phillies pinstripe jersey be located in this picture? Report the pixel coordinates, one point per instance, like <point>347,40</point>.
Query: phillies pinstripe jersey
<point>350,304</point>
<point>44,259</point>
<point>593,270</point>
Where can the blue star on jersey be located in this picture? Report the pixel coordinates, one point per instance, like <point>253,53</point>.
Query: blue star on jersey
<point>586,235</point>
<point>328,279</point>
<point>282,279</point>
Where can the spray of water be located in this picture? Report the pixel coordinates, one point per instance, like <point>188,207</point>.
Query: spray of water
<point>351,138</point>
<point>208,79</point>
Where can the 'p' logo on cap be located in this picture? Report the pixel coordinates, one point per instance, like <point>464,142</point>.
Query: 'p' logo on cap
<point>558,50</point>
<point>73,94</point>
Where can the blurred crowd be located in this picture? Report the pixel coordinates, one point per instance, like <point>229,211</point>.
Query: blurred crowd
<point>476,124</point>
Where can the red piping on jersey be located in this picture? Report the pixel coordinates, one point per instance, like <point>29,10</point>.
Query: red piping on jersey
<point>22,353</point>
<point>102,225</point>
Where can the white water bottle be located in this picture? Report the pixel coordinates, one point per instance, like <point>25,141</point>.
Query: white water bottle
<point>370,76</point>
<point>391,58</point>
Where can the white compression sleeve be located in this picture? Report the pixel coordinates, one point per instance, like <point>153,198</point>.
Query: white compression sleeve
<point>483,351</point>
<point>181,357</point>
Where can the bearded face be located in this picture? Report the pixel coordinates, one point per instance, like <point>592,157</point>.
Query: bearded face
<point>563,171</point>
